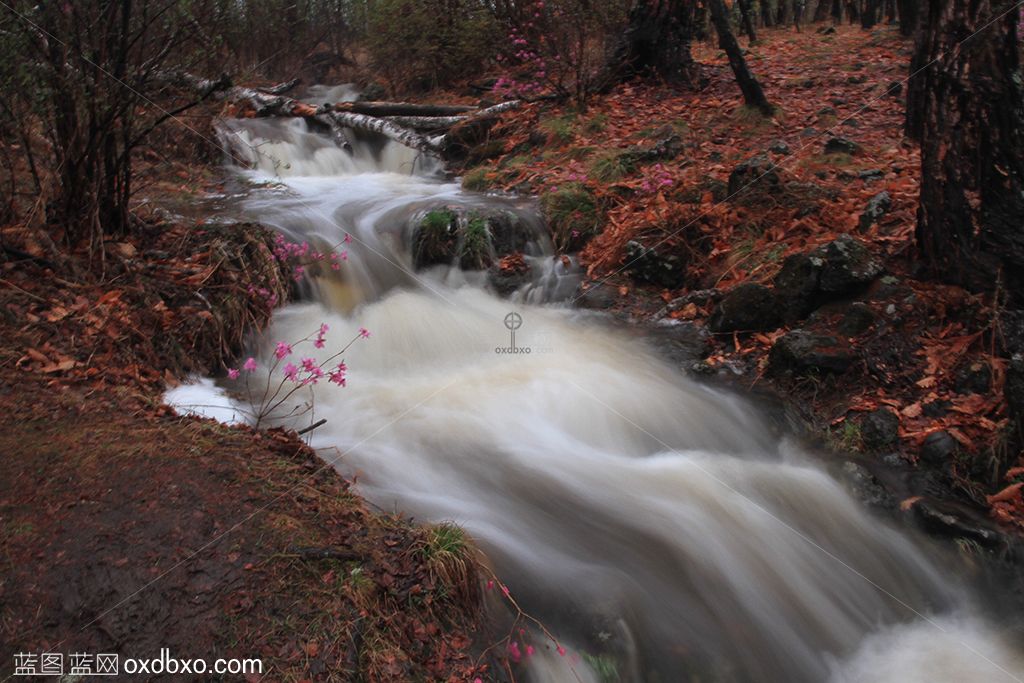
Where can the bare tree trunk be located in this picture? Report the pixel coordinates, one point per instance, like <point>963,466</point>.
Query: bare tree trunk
<point>656,43</point>
<point>966,108</point>
<point>837,11</point>
<point>748,20</point>
<point>909,14</point>
<point>869,17</point>
<point>821,10</point>
<point>753,95</point>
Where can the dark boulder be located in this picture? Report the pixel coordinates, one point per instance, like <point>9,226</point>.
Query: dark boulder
<point>757,171</point>
<point>938,448</point>
<point>800,352</point>
<point>858,319</point>
<point>880,430</point>
<point>654,266</point>
<point>841,145</point>
<point>472,238</point>
<point>849,265</point>
<point>598,297</point>
<point>865,487</point>
<point>798,285</point>
<point>779,147</point>
<point>746,308</point>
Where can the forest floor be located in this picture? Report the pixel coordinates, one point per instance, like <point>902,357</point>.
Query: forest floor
<point>669,235</point>
<point>125,528</point>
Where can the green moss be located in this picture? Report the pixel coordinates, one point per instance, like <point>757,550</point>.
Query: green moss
<point>560,129</point>
<point>475,250</point>
<point>434,239</point>
<point>572,213</point>
<point>476,180</point>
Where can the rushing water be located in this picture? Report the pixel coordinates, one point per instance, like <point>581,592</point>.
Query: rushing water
<point>652,523</point>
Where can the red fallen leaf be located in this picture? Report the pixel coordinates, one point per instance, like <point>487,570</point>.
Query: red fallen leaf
<point>1011,492</point>
<point>961,437</point>
<point>908,503</point>
<point>913,410</point>
<point>1014,472</point>
<point>312,648</point>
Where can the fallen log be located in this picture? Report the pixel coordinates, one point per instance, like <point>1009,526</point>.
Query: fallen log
<point>380,127</point>
<point>426,123</point>
<point>403,108</point>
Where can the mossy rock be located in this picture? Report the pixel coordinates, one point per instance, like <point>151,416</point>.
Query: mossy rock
<point>473,239</point>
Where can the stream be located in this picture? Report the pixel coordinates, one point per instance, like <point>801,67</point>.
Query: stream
<point>657,526</point>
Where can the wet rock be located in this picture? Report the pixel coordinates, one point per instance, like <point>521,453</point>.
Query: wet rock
<point>865,487</point>
<point>800,352</point>
<point>879,430</point>
<point>806,281</point>
<point>699,297</point>
<point>681,340</point>
<point>895,89</point>
<point>654,266</point>
<point>938,448</point>
<point>757,169</point>
<point>779,147</point>
<point>809,132</point>
<point>841,145</point>
<point>849,265</point>
<point>509,274</point>
<point>873,174</point>
<point>798,285</point>
<point>947,519</point>
<point>373,92</point>
<point>857,320</point>
<point>598,297</point>
<point>472,238</point>
<point>877,207</point>
<point>746,308</point>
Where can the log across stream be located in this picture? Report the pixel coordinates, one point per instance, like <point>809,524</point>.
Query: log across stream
<point>656,526</point>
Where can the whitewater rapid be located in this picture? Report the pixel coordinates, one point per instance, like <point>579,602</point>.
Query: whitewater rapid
<point>655,525</point>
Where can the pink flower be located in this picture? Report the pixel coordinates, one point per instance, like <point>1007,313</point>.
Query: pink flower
<point>308,364</point>
<point>529,650</point>
<point>364,333</point>
<point>490,585</point>
<point>291,372</point>
<point>561,650</point>
<point>348,238</point>
<point>233,373</point>
<point>319,342</point>
<point>250,364</point>
<point>337,375</point>
<point>282,350</point>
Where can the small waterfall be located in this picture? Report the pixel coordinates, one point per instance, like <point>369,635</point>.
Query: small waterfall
<point>652,523</point>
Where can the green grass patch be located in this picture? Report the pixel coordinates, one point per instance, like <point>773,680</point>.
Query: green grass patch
<point>476,180</point>
<point>572,213</point>
<point>611,166</point>
<point>560,129</point>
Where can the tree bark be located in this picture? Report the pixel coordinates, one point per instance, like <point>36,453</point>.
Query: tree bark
<point>753,95</point>
<point>821,10</point>
<point>748,20</point>
<point>656,43</point>
<point>909,14</point>
<point>966,107</point>
<point>869,17</point>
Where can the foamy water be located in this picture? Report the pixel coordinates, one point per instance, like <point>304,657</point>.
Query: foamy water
<point>654,524</point>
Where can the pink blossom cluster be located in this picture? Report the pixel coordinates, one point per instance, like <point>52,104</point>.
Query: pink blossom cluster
<point>524,56</point>
<point>300,255</point>
<point>309,370</point>
<point>656,179</point>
